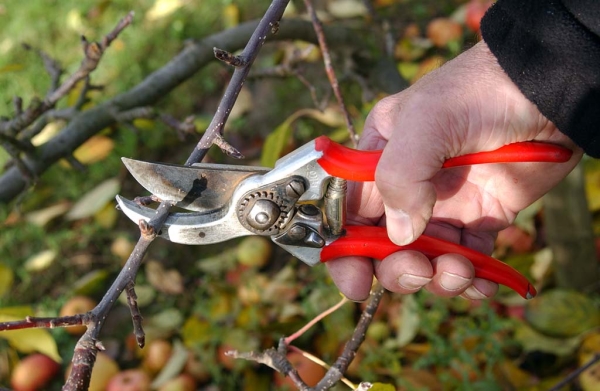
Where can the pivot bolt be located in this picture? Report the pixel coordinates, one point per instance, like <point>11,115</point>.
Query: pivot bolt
<point>263,215</point>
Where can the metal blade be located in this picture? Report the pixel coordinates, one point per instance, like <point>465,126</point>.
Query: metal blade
<point>189,228</point>
<point>201,187</point>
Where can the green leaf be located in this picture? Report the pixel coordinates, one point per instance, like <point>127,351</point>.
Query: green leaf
<point>6,279</point>
<point>562,313</point>
<point>531,340</point>
<point>196,332</point>
<point>382,387</point>
<point>276,142</point>
<point>410,321</point>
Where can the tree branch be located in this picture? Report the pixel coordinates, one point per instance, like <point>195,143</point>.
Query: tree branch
<point>152,89</point>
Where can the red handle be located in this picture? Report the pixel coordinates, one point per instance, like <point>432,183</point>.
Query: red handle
<point>355,165</point>
<point>373,242</point>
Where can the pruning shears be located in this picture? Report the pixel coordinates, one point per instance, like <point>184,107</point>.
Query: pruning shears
<point>301,204</point>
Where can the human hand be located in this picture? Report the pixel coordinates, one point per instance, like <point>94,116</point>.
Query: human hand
<point>468,105</point>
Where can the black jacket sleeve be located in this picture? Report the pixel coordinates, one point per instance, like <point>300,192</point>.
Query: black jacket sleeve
<point>551,50</point>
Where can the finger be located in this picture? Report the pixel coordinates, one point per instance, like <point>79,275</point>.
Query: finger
<point>409,161</point>
<point>404,271</point>
<point>453,274</point>
<point>353,276</point>
<point>480,289</point>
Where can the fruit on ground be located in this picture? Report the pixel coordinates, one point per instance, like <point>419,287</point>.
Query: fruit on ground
<point>183,382</point>
<point>475,11</point>
<point>34,372</point>
<point>156,355</point>
<point>130,380</point>
<point>254,251</point>
<point>442,31</point>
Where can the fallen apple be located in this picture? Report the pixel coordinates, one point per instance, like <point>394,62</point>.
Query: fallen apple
<point>442,31</point>
<point>156,355</point>
<point>254,251</point>
<point>475,11</point>
<point>130,380</point>
<point>34,372</point>
<point>182,382</point>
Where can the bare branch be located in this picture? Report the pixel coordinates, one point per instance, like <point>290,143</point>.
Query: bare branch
<point>227,148</point>
<point>136,316</point>
<point>256,41</point>
<point>335,373</point>
<point>575,374</point>
<point>87,123</point>
<point>93,53</point>
<point>330,71</point>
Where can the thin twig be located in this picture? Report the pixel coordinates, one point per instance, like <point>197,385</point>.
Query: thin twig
<point>322,363</point>
<point>93,53</point>
<point>330,71</point>
<point>149,230</point>
<point>315,320</point>
<point>257,40</point>
<point>575,374</point>
<point>153,88</point>
<point>335,373</point>
<point>88,345</point>
<point>136,316</point>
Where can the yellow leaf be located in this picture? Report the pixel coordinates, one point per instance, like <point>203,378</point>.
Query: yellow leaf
<point>107,216</point>
<point>40,261</point>
<point>46,134</point>
<point>589,347</point>
<point>143,123</point>
<point>162,8</point>
<point>345,9</point>
<point>231,16</point>
<point>94,150</point>
<point>75,20</point>
<point>11,68</point>
<point>590,379</point>
<point>6,279</point>
<point>44,216</point>
<point>382,387</point>
<point>592,189</point>
<point>28,340</point>
<point>73,95</point>
<point>196,332</point>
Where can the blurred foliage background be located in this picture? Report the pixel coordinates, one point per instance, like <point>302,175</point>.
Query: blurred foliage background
<point>63,242</point>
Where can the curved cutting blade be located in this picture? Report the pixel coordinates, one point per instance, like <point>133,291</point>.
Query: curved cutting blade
<point>189,228</point>
<point>201,187</point>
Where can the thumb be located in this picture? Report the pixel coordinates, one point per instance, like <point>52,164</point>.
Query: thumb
<point>403,178</point>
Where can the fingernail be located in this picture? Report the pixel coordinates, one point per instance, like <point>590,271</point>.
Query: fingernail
<point>411,281</point>
<point>473,293</point>
<point>399,226</point>
<point>453,282</point>
<point>355,300</point>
